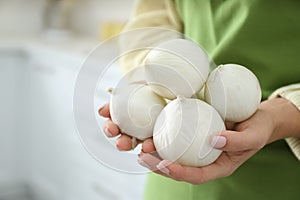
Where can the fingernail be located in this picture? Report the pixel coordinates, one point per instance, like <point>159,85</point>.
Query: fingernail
<point>218,142</point>
<point>142,163</point>
<point>133,142</point>
<point>162,166</point>
<point>107,132</point>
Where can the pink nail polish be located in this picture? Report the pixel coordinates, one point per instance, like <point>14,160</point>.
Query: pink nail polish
<point>142,163</point>
<point>162,166</point>
<point>107,132</point>
<point>218,142</point>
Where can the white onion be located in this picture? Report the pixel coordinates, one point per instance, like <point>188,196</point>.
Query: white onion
<point>183,131</point>
<point>134,108</point>
<point>176,67</point>
<point>234,91</point>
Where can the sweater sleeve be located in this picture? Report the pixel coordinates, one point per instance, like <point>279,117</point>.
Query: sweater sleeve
<point>291,93</point>
<point>153,22</point>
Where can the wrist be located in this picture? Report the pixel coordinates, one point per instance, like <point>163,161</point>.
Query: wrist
<point>285,118</point>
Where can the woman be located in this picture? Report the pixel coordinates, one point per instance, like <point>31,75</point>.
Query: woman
<point>256,163</point>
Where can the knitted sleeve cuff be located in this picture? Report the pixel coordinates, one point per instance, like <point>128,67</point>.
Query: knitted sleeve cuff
<point>153,22</point>
<point>291,93</point>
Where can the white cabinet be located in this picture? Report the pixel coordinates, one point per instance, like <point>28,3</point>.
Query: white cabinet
<point>40,149</point>
<point>50,126</point>
<point>58,166</point>
<point>12,65</point>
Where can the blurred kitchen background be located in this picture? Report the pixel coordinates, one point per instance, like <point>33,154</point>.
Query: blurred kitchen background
<point>42,46</point>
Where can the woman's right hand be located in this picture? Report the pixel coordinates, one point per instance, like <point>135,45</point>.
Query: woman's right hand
<point>124,142</point>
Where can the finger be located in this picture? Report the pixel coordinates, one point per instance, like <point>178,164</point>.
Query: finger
<point>111,129</point>
<point>197,175</point>
<point>148,146</point>
<point>149,160</point>
<point>126,143</point>
<point>104,111</point>
<point>236,141</point>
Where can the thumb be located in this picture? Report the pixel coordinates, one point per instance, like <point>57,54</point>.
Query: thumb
<point>234,141</point>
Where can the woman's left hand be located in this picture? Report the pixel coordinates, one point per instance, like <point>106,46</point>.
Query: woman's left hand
<point>275,119</point>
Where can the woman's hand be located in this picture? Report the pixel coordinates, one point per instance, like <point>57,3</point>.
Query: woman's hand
<point>275,119</point>
<point>124,142</point>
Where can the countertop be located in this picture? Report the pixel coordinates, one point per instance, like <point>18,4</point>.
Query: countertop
<point>71,48</point>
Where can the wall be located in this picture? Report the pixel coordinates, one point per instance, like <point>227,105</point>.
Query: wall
<point>21,17</point>
<point>27,17</point>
